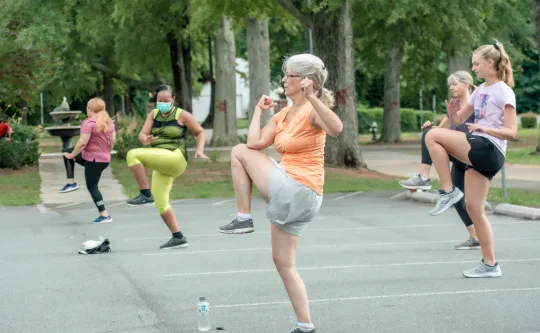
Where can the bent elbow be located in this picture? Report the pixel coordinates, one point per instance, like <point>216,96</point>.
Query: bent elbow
<point>252,145</point>
<point>336,131</point>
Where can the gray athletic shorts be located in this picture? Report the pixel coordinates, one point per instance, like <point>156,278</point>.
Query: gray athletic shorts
<point>292,205</point>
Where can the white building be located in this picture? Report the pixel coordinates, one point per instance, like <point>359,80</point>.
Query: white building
<point>201,104</point>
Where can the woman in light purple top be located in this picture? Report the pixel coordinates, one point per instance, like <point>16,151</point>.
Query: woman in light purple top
<point>483,151</point>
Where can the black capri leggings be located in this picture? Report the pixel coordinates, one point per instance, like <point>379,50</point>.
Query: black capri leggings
<point>458,178</point>
<point>92,174</point>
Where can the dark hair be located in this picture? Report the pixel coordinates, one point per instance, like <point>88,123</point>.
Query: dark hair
<point>161,88</point>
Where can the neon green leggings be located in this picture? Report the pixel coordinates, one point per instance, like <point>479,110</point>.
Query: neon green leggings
<point>166,166</point>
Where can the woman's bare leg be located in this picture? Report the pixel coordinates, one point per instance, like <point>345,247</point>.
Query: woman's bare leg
<point>248,167</point>
<point>284,254</point>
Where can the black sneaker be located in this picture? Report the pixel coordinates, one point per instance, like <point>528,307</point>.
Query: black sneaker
<point>175,243</point>
<point>237,226</point>
<point>141,200</point>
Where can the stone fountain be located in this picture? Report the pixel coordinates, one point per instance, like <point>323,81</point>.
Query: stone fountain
<point>65,131</point>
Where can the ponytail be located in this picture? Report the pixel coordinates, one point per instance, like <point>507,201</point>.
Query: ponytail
<point>103,123</point>
<point>501,61</point>
<point>504,66</point>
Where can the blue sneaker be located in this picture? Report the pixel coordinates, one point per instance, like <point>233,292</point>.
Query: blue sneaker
<point>69,187</point>
<point>103,219</point>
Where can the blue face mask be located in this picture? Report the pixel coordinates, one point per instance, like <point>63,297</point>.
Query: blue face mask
<point>163,107</point>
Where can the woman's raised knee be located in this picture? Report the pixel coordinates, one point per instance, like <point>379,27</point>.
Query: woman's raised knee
<point>424,135</point>
<point>131,157</point>
<point>239,149</point>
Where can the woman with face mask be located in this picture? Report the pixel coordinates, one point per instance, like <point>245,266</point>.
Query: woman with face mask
<point>165,131</point>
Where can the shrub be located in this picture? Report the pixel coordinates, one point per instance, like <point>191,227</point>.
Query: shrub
<point>528,120</point>
<point>127,136</point>
<point>411,120</point>
<point>22,150</point>
<point>23,133</point>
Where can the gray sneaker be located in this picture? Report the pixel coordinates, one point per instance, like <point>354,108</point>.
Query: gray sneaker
<point>469,244</point>
<point>141,200</point>
<point>237,226</point>
<point>415,182</point>
<point>175,243</point>
<point>446,200</point>
<point>298,330</point>
<point>482,270</point>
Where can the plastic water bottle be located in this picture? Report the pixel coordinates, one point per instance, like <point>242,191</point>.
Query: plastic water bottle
<point>203,315</point>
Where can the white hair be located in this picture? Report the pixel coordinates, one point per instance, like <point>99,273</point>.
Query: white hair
<point>312,67</point>
<point>462,77</point>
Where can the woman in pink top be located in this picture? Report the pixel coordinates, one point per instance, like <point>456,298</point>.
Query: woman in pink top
<point>97,139</point>
<point>483,150</point>
<point>293,188</point>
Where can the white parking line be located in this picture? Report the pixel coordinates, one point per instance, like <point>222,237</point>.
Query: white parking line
<point>360,298</point>
<point>67,205</point>
<point>266,270</point>
<point>217,234</point>
<point>222,202</point>
<point>347,195</point>
<point>181,251</point>
<point>42,209</point>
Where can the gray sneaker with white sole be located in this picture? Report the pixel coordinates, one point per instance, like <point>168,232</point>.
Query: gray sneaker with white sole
<point>481,270</point>
<point>446,200</point>
<point>237,226</point>
<point>469,244</point>
<point>415,182</point>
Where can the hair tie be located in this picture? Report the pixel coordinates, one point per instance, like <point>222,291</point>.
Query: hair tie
<point>495,44</point>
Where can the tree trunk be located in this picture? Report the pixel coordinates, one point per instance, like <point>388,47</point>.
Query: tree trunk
<point>209,121</point>
<point>258,50</point>
<point>185,78</point>
<point>333,42</point>
<point>457,61</point>
<point>391,130</point>
<point>537,31</point>
<point>224,129</point>
<point>174,52</point>
<point>108,93</point>
<point>128,100</point>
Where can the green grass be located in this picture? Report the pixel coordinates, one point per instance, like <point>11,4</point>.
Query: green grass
<point>19,187</point>
<point>242,123</point>
<point>213,179</point>
<point>522,156</point>
<point>53,144</point>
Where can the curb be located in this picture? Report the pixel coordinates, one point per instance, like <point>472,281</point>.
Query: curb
<point>523,212</point>
<point>425,197</point>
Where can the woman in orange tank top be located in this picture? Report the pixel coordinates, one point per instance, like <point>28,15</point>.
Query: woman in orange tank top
<point>292,188</point>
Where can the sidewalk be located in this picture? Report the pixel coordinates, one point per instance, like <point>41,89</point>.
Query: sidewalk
<point>403,160</point>
<point>53,178</point>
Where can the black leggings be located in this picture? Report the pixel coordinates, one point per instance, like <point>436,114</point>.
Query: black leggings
<point>458,178</point>
<point>92,174</point>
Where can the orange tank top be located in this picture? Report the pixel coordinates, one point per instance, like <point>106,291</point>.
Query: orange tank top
<point>301,147</point>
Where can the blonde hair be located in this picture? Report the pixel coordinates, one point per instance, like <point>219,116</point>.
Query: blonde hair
<point>462,77</point>
<point>501,61</point>
<point>312,67</point>
<point>103,123</point>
